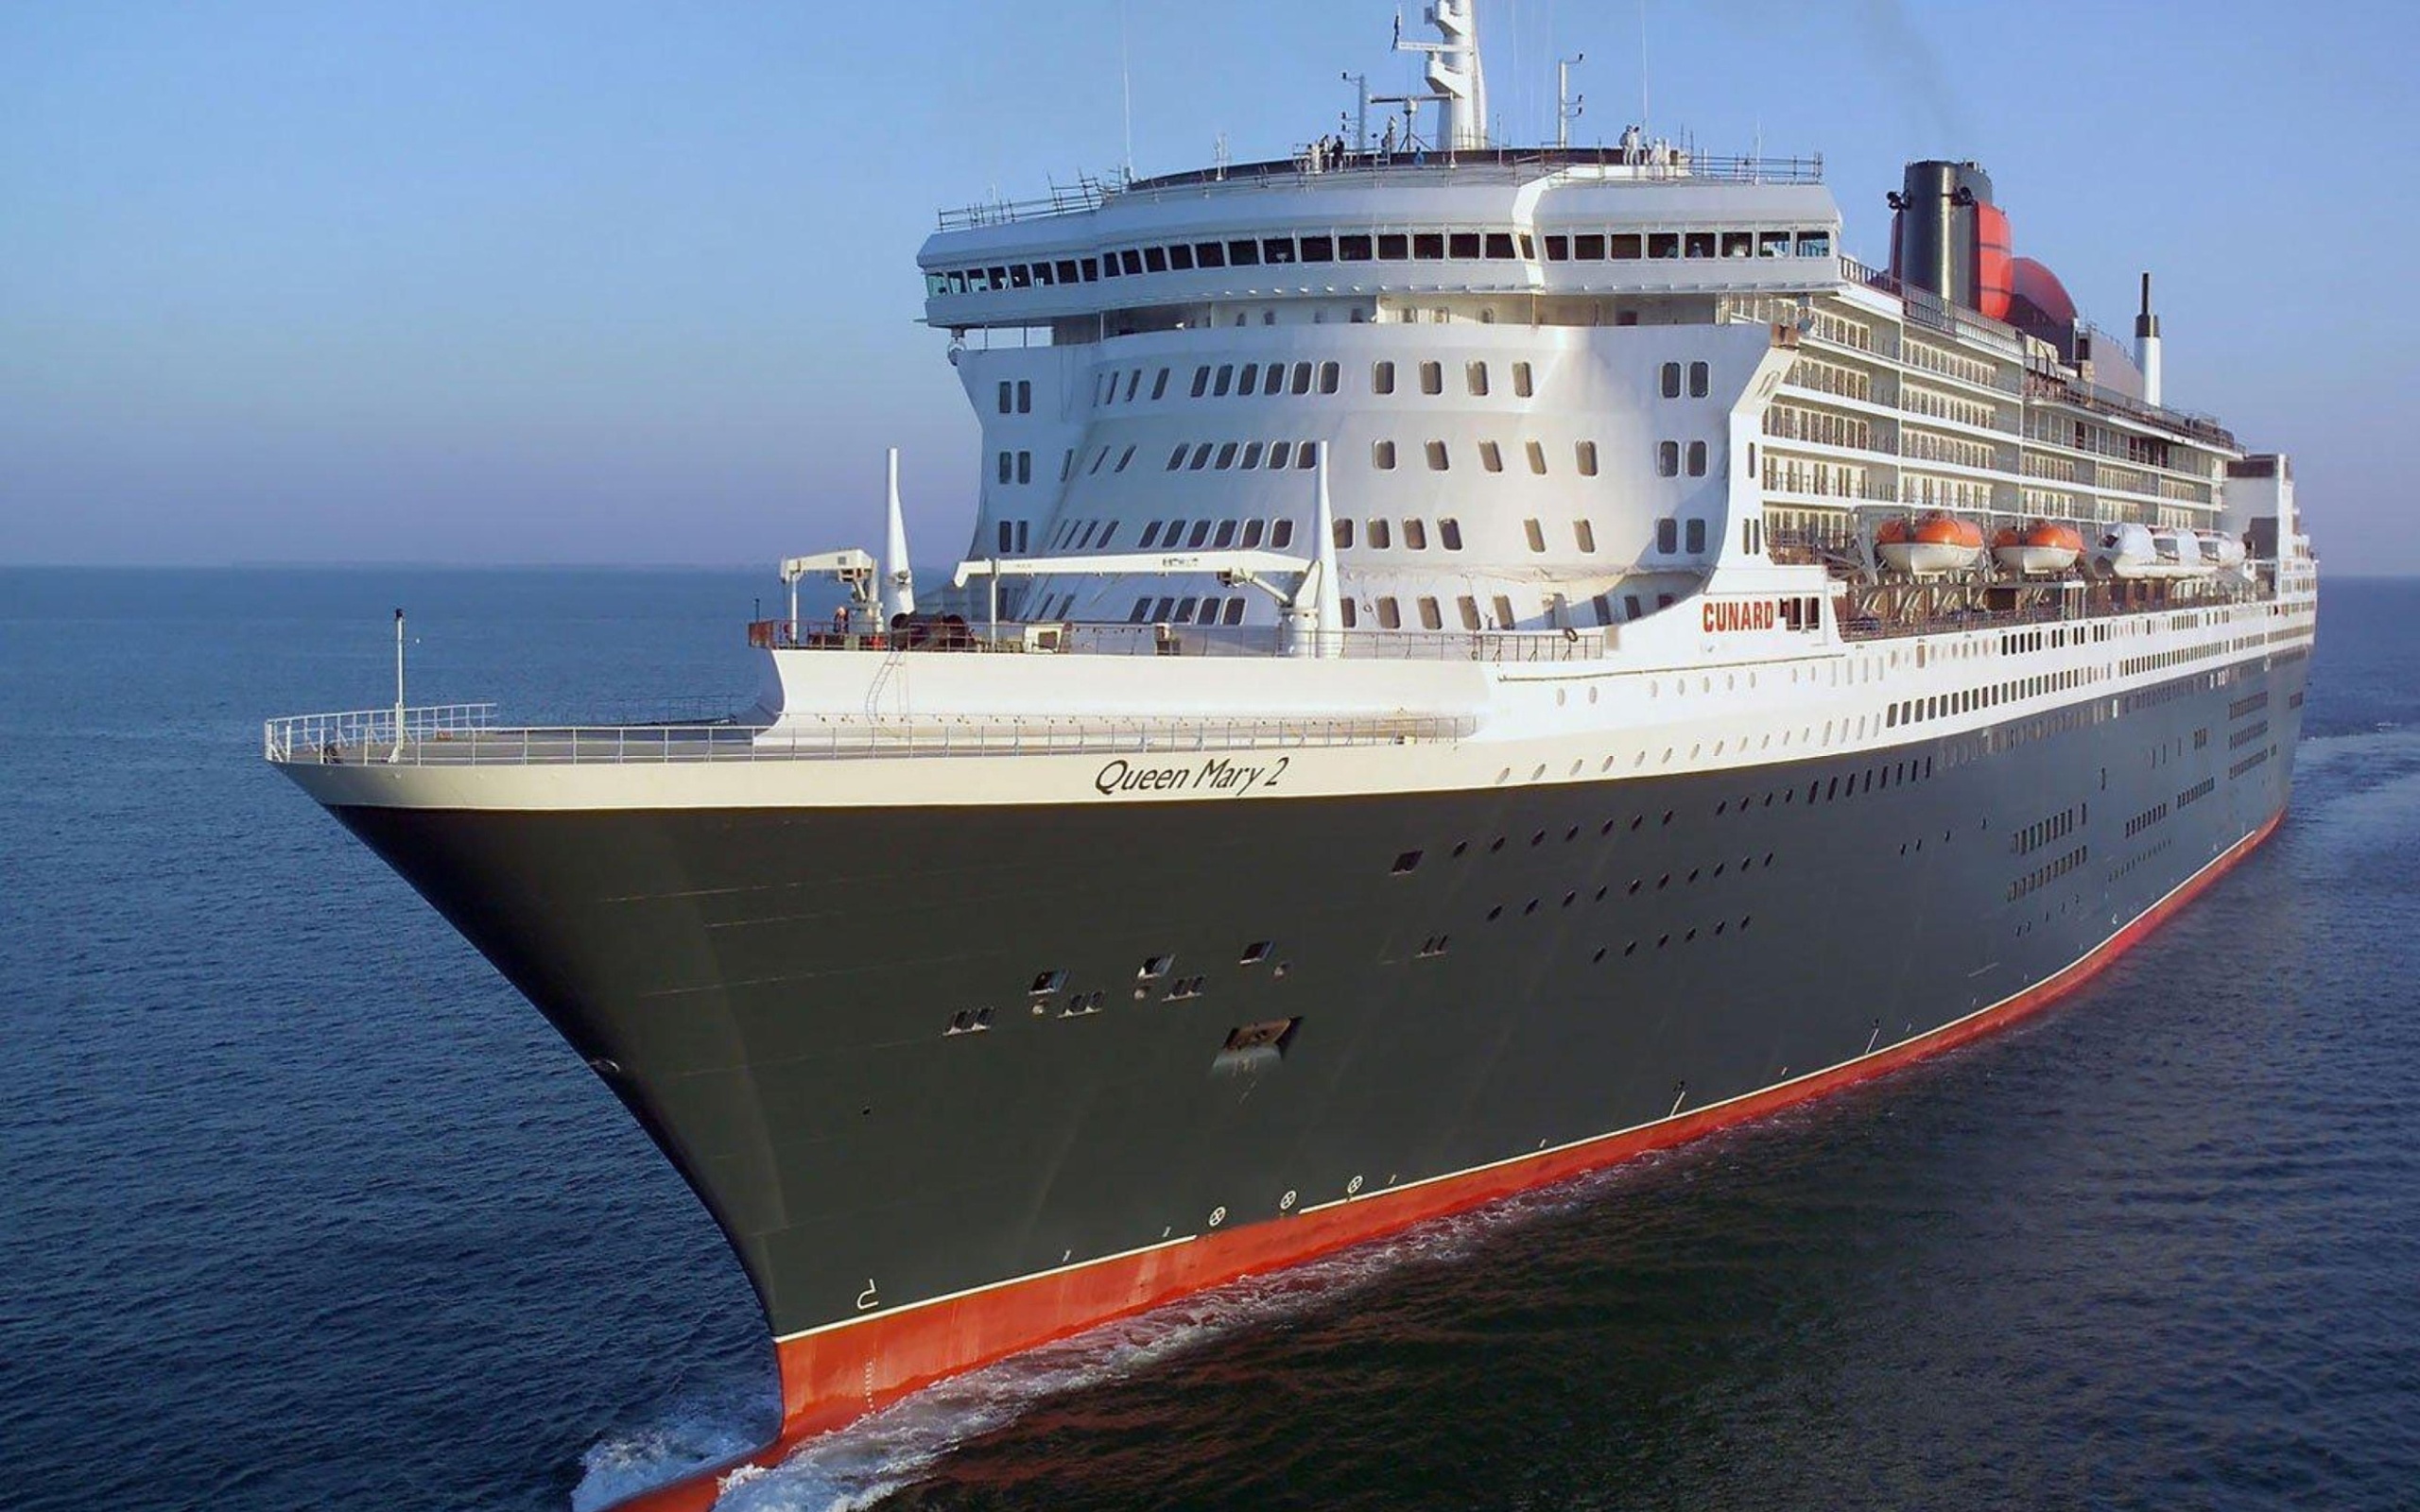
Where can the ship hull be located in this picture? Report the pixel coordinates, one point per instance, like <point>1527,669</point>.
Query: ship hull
<point>956,1081</point>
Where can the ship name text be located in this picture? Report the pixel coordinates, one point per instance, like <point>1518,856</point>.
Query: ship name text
<point>1212,774</point>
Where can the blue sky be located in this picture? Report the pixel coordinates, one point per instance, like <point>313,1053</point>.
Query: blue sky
<point>633,282</point>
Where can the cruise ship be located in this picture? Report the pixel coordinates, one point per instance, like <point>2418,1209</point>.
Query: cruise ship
<point>1471,663</point>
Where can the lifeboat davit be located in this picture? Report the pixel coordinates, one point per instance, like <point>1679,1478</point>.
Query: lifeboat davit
<point>1929,545</point>
<point>2039,550</point>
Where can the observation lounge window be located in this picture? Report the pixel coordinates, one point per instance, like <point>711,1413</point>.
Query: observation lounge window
<point>1697,244</point>
<point>1066,270</point>
<point>1155,259</point>
<point>1738,244</point>
<point>1020,277</point>
<point>1814,244</point>
<point>1353,248</point>
<point>1428,246</point>
<point>1463,246</point>
<point>1623,247</point>
<point>1234,614</point>
<point>1277,248</point>
<point>1772,244</point>
<point>1181,258</point>
<point>1662,244</point>
<point>1131,260</point>
<point>1092,269</point>
<point>1394,247</point>
<point>1209,254</point>
<point>1558,248</point>
<point>1243,254</point>
<point>1319,248</point>
<point>1499,245</point>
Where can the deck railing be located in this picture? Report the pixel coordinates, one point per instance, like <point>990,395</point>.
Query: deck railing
<point>368,739</point>
<point>1076,638</point>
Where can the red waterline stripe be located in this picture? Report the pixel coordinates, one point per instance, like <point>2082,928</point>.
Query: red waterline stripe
<point>832,1378</point>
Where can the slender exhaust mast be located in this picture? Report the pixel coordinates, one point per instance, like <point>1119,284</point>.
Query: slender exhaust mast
<point>2147,346</point>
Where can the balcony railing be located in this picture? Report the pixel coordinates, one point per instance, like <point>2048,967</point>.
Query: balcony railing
<point>435,738</point>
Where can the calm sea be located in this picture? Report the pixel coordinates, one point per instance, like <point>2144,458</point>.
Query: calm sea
<point>300,1206</point>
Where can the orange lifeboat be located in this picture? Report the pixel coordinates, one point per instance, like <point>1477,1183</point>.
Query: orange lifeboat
<point>1929,545</point>
<point>2038,550</point>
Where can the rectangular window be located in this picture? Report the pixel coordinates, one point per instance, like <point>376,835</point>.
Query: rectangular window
<point>1380,536</point>
<point>1382,378</point>
<point>1330,376</point>
<point>1738,244</point>
<point>1348,613</point>
<point>1185,610</point>
<point>1025,467</point>
<point>1319,248</point>
<point>1020,277</point>
<point>1523,387</point>
<point>1307,457</point>
<point>1394,247</point>
<point>1490,457</point>
<point>1536,534</point>
<point>1024,396</point>
<point>1353,248</point>
<point>1415,535</point>
<point>1697,538</point>
<point>1128,259</point>
<point>1155,259</point>
<point>1243,254</point>
<point>1092,269</point>
<point>1254,528</point>
<point>1449,533</point>
<point>1668,379</point>
<point>1500,245</point>
<point>1142,611</point>
<point>1437,459</point>
<point>1668,460</point>
<point>1382,456</point>
<point>1586,452</point>
<point>1209,254</point>
<point>1585,534</point>
<point>1277,248</point>
<point>1667,535</point>
<point>1475,378</point>
<point>1279,453</point>
<point>1462,246</point>
<point>1007,465</point>
<point>1008,538</point>
<point>1390,617</point>
<point>1589,248</point>
<point>1006,390</point>
<point>1558,248</point>
<point>1697,460</point>
<point>1631,608</point>
<point>1772,244</point>
<point>1432,377</point>
<point>1343,534</point>
<point>1661,244</point>
<point>1181,258</point>
<point>1697,244</point>
<point>1697,376</point>
<point>1605,608</point>
<point>1428,246</point>
<point>1281,535</point>
<point>1814,244</point>
<point>1234,614</point>
<point>1430,619</point>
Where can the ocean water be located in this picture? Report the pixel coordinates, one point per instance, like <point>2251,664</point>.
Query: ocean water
<point>301,1206</point>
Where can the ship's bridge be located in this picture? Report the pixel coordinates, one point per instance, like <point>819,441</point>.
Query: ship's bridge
<point>1548,221</point>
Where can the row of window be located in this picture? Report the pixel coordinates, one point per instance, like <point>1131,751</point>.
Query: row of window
<point>1379,246</point>
<point>2057,827</point>
<point>2042,876</point>
<point>1249,455</point>
<point>1670,380</point>
<point>1170,610</point>
<point>1490,457</point>
<point>1967,700</point>
<point>1113,386</point>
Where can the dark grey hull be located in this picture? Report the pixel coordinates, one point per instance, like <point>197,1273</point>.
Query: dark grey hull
<point>774,993</point>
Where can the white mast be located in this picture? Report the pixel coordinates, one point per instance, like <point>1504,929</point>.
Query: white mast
<point>1455,78</point>
<point>898,575</point>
